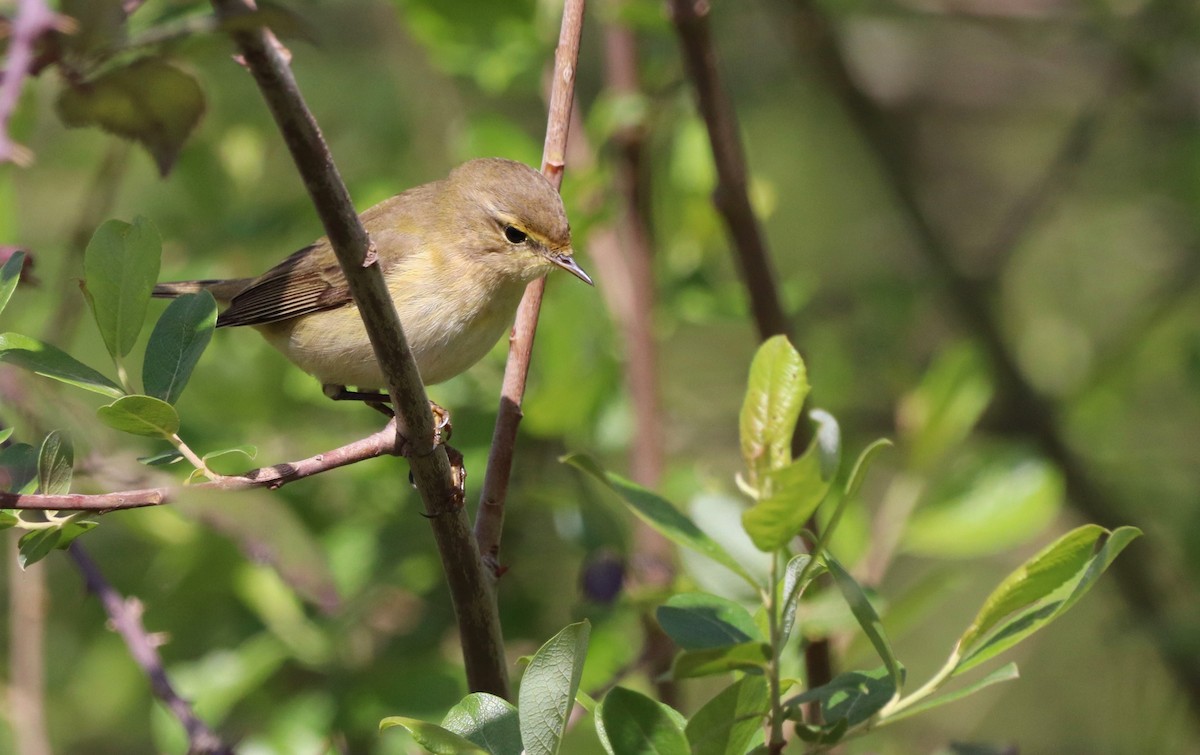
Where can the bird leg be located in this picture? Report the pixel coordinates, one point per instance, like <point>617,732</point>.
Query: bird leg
<point>381,402</point>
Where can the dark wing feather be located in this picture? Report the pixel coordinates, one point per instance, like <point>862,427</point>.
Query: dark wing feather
<point>299,285</point>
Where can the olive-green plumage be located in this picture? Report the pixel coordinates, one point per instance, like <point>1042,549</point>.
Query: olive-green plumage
<point>456,255</point>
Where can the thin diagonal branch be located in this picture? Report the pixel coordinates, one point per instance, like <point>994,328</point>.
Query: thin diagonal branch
<point>377,444</point>
<point>489,521</point>
<point>471,590</point>
<point>125,615</point>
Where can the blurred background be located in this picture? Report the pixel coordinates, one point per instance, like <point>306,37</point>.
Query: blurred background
<point>982,216</point>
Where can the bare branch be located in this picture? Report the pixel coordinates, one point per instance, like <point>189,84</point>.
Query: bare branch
<point>489,521</point>
<point>377,444</point>
<point>125,615</point>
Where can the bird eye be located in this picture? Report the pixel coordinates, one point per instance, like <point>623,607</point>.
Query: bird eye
<point>515,235</point>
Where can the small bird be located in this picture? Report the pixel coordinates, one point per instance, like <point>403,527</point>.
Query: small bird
<point>456,255</point>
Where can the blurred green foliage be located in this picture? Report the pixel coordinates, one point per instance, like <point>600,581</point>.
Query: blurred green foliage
<point>297,619</point>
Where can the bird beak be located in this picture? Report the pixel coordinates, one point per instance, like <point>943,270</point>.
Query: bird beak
<point>567,262</point>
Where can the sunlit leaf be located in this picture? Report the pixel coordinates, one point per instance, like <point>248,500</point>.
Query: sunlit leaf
<point>790,496</point>
<point>141,415</point>
<point>548,689</point>
<point>48,361</point>
<point>489,721</point>
<point>1035,579</point>
<point>149,101</point>
<point>432,737</point>
<point>1037,612</point>
<point>777,388</point>
<point>176,343</point>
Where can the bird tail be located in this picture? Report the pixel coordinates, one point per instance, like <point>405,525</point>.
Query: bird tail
<point>222,290</point>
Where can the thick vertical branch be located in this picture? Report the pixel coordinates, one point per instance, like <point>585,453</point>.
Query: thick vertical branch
<point>489,521</point>
<point>471,590</point>
<point>26,646</point>
<point>125,616</point>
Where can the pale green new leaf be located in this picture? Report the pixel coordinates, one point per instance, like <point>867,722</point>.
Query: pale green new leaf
<point>777,388</point>
<point>1005,673</point>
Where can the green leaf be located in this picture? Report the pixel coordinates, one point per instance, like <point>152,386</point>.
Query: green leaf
<point>867,618</point>
<point>19,465</point>
<point>661,515</point>
<point>1039,613</point>
<point>548,689</point>
<point>10,274</point>
<point>989,506</point>
<point>848,700</point>
<point>1005,673</point>
<point>48,361</point>
<point>36,544</point>
<point>793,588</point>
<point>72,530</point>
<point>432,737</point>
<point>696,621</point>
<point>247,451</point>
<point>121,266</point>
<point>161,459</point>
<point>1037,578</point>
<point>790,495</point>
<point>726,723</point>
<point>777,388</point>
<point>489,721</point>
<point>176,343</point>
<point>149,101</point>
<point>56,461</point>
<point>141,415</point>
<point>746,656</point>
<point>629,723</point>
<point>5,433</point>
<point>8,519</point>
<point>940,413</point>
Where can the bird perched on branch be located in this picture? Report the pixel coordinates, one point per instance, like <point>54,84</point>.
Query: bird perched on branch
<point>456,255</point>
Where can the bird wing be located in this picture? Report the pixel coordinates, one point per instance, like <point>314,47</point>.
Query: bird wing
<point>299,285</point>
<point>310,280</point>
